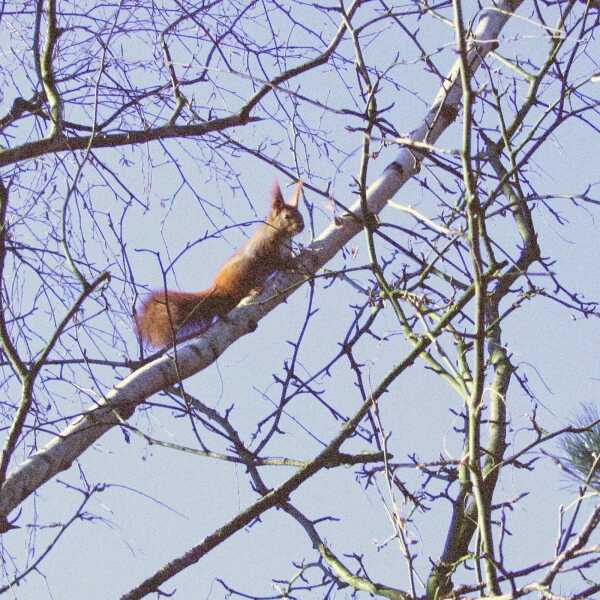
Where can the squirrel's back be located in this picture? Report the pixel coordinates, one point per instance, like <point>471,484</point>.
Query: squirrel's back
<point>166,313</point>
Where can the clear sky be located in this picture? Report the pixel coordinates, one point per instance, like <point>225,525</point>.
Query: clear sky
<point>169,195</point>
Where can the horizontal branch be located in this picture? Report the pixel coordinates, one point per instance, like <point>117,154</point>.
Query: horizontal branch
<point>62,143</point>
<point>112,140</point>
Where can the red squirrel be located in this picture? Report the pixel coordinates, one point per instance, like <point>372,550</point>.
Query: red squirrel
<point>165,313</point>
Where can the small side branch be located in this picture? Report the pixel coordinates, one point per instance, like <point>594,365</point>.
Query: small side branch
<point>47,69</point>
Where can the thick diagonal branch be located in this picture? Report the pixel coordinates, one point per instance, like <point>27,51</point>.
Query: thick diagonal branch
<point>120,402</point>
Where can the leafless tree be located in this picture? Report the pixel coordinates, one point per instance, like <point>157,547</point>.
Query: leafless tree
<point>140,139</point>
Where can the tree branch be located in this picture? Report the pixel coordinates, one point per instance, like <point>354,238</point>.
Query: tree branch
<point>60,452</point>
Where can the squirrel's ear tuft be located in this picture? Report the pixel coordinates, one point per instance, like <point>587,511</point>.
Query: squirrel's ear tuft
<point>296,195</point>
<point>278,202</point>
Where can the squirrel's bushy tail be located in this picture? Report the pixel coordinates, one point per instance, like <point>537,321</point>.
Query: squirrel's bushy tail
<point>163,315</point>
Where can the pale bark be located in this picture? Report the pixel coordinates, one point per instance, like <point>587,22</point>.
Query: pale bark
<point>192,357</point>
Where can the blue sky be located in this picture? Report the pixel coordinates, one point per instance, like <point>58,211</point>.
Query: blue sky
<point>159,501</point>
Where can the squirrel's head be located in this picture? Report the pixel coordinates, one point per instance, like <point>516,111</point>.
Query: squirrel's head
<point>286,216</point>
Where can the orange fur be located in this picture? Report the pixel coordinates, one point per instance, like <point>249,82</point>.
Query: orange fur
<point>165,313</point>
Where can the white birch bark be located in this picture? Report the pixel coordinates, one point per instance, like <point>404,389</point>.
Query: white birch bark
<point>58,454</point>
